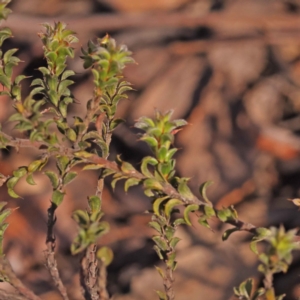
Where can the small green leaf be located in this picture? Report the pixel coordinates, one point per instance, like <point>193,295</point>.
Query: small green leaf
<point>203,189</point>
<point>131,182</point>
<point>12,193</point>
<point>22,171</point>
<point>71,134</point>
<point>96,216</point>
<point>179,221</point>
<point>171,260</point>
<point>170,205</point>
<point>64,85</point>
<point>162,153</point>
<point>152,184</point>
<point>157,203</point>
<point>69,177</point>
<point>3,215</point>
<point>114,123</point>
<point>227,214</point>
<point>184,190</point>
<point>53,178</point>
<point>209,211</point>
<point>170,153</point>
<point>258,293</point>
<point>57,197</point>
<point>92,167</point>
<point>148,193</point>
<point>62,163</point>
<point>127,168</point>
<point>37,90</point>
<point>106,255</point>
<point>253,247</point>
<point>81,217</point>
<point>169,232</point>
<point>144,166</point>
<point>91,135</point>
<point>63,106</point>
<point>44,70</point>
<point>262,232</point>
<point>158,252</point>
<point>11,182</point>
<point>180,122</point>
<point>30,180</point>
<point>190,208</point>
<point>203,221</point>
<point>35,165</point>
<point>228,232</point>
<point>67,74</point>
<point>37,81</point>
<point>155,225</point>
<point>144,123</point>
<point>174,241</point>
<point>160,242</point>
<point>5,81</point>
<point>94,203</point>
<point>151,141</point>
<point>115,180</point>
<point>161,295</point>
<point>160,271</point>
<point>82,154</point>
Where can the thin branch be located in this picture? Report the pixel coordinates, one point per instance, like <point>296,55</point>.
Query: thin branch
<point>83,270</point>
<point>96,270</point>
<point>50,253</point>
<point>92,272</point>
<point>168,283</point>
<point>167,188</point>
<point>9,276</point>
<point>94,286</point>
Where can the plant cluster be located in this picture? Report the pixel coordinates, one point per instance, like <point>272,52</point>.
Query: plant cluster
<point>42,119</point>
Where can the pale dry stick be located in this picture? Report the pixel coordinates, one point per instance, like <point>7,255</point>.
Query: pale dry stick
<point>109,22</point>
<point>51,262</point>
<point>7,272</point>
<point>202,46</point>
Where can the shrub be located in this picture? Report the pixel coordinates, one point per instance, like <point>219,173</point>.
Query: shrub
<point>42,118</point>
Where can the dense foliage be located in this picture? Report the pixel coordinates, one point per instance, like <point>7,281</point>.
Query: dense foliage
<point>42,117</point>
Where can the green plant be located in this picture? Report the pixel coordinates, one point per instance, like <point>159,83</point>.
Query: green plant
<point>42,119</point>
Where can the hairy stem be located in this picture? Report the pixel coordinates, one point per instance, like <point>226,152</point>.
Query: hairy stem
<point>96,275</point>
<point>168,284</point>
<point>51,262</point>
<point>92,272</point>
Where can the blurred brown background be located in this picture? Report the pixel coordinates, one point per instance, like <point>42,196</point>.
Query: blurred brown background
<point>232,69</point>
